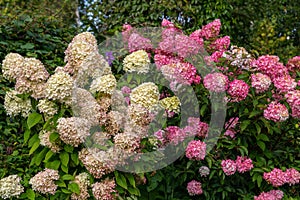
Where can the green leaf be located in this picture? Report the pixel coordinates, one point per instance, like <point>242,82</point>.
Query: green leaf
<point>68,148</point>
<point>64,168</point>
<point>34,147</point>
<point>60,183</point>
<point>74,158</point>
<point>27,46</point>
<point>53,165</point>
<point>33,119</point>
<point>64,157</point>
<point>67,177</point>
<point>262,145</point>
<point>30,194</point>
<point>66,191</point>
<point>53,136</point>
<point>40,156</point>
<point>244,125</point>
<point>263,137</point>
<point>33,139</point>
<point>74,187</point>
<point>121,181</point>
<point>131,179</point>
<point>49,155</point>
<point>26,135</point>
<point>134,191</point>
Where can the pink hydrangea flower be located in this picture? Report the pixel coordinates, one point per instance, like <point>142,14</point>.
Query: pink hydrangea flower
<point>215,56</point>
<point>211,30</point>
<point>271,195</point>
<point>276,112</point>
<point>174,134</point>
<point>231,133</point>
<point>270,66</point>
<point>243,164</point>
<point>232,122</point>
<point>194,188</point>
<point>276,177</point>
<point>216,82</point>
<point>220,44</point>
<point>196,150</point>
<point>137,42</point>
<point>238,90</point>
<point>196,127</point>
<point>196,35</point>
<point>284,83</point>
<point>228,166</point>
<point>293,64</point>
<point>292,176</point>
<point>260,82</point>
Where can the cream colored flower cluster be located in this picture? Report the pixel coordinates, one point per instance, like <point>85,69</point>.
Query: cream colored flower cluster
<point>139,115</point>
<point>83,181</point>
<point>73,130</point>
<point>44,137</point>
<point>10,187</point>
<point>78,50</point>
<point>29,73</point>
<point>137,61</point>
<point>115,121</point>
<point>146,95</point>
<point>127,141</point>
<point>171,104</point>
<point>104,190</point>
<point>105,84</point>
<point>15,105</point>
<point>47,107</point>
<point>92,67</point>
<point>12,65</point>
<point>43,181</point>
<point>91,162</point>
<point>59,87</point>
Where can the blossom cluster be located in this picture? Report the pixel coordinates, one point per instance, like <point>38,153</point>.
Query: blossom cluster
<point>43,181</point>
<point>83,182</point>
<point>10,186</point>
<point>276,112</point>
<point>195,150</point>
<point>241,164</point>
<point>104,190</point>
<point>194,188</point>
<point>271,195</point>
<point>277,177</point>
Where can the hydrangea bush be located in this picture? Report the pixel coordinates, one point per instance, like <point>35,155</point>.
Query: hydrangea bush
<point>85,122</point>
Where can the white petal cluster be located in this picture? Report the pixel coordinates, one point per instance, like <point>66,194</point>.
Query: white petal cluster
<point>137,61</point>
<point>10,187</point>
<point>105,84</point>
<point>15,105</point>
<point>146,95</point>
<point>43,181</point>
<point>44,137</point>
<point>171,104</point>
<point>47,107</point>
<point>12,66</point>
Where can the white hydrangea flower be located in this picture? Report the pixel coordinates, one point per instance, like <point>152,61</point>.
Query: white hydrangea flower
<point>105,84</point>
<point>12,66</point>
<point>15,105</point>
<point>10,187</point>
<point>137,61</point>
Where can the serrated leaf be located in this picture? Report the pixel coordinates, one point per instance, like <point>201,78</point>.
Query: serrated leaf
<point>263,137</point>
<point>53,136</point>
<point>64,158</point>
<point>131,179</point>
<point>26,135</point>
<point>121,181</point>
<point>34,147</point>
<point>262,145</point>
<point>33,119</point>
<point>30,194</point>
<point>40,156</point>
<point>67,177</point>
<point>74,187</point>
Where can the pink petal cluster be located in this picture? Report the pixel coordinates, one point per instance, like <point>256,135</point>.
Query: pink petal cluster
<point>187,72</point>
<point>293,99</point>
<point>137,42</point>
<point>230,126</point>
<point>194,188</point>
<point>174,134</point>
<point>260,82</point>
<point>211,30</point>
<point>228,167</point>
<point>284,83</point>
<point>104,190</point>
<point>215,56</point>
<point>238,90</point>
<point>278,178</point>
<point>276,112</point>
<point>220,44</point>
<point>162,58</point>
<point>270,66</point>
<point>293,64</point>
<point>271,195</point>
<point>196,35</point>
<point>243,164</point>
<point>196,150</point>
<point>216,82</point>
<point>196,127</point>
